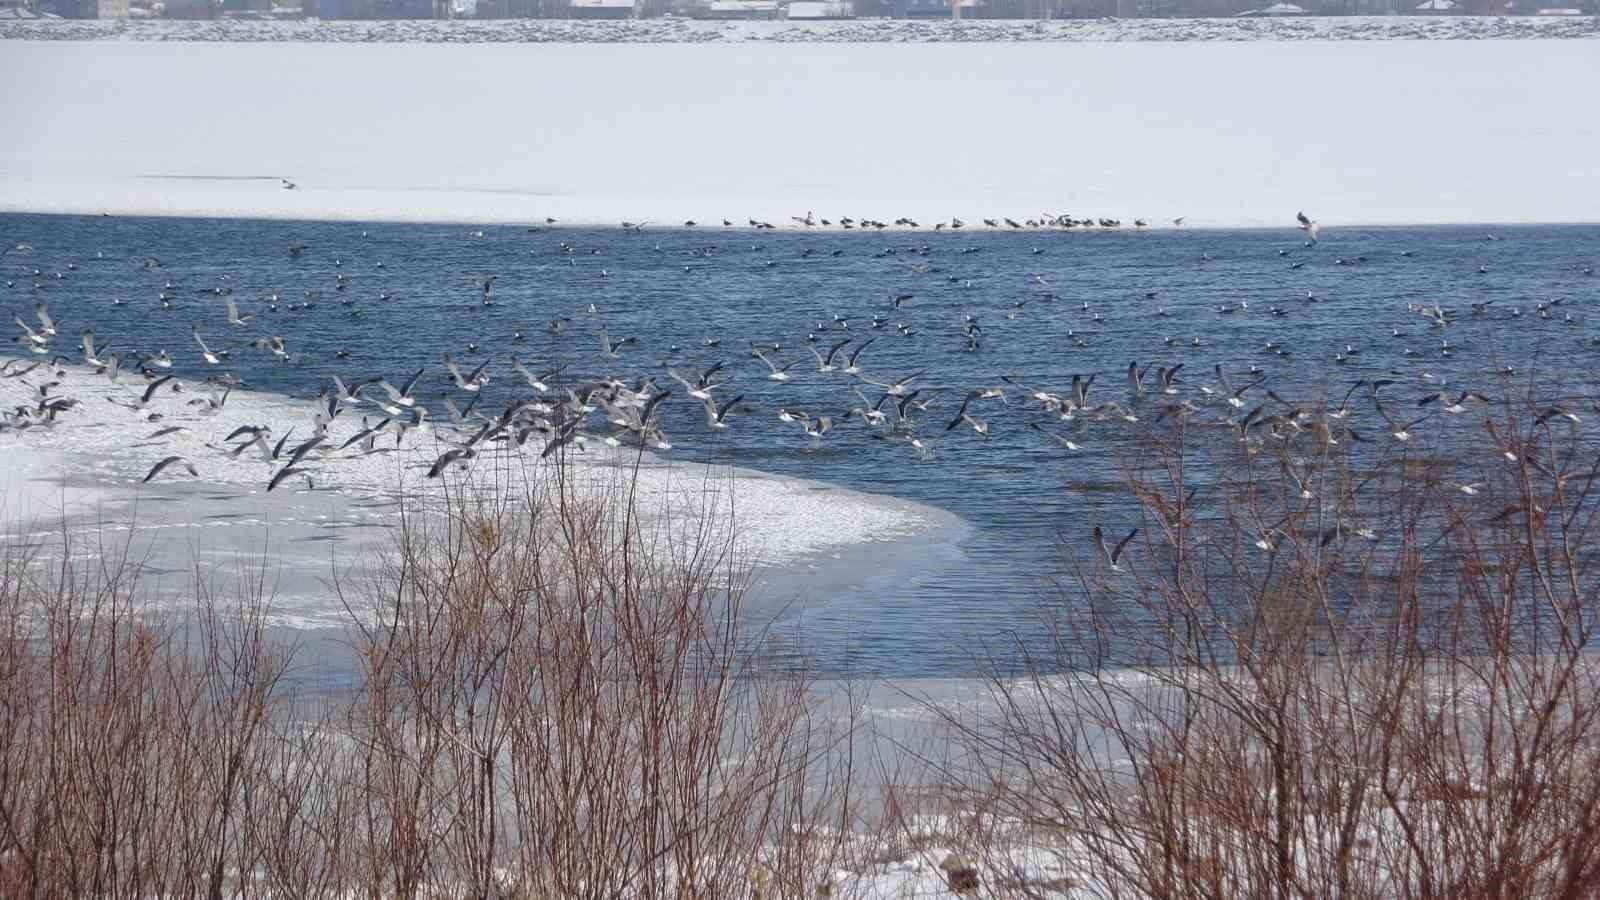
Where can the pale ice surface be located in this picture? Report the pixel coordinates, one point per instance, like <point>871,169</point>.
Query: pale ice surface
<point>88,468</point>
<point>1222,133</point>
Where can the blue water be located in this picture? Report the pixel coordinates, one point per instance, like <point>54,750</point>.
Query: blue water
<point>933,611</point>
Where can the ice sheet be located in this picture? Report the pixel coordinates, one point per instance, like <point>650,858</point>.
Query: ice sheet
<point>1380,132</point>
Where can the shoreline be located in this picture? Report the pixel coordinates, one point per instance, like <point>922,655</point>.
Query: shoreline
<point>673,225</point>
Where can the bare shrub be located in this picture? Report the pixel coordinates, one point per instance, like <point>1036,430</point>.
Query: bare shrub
<point>1333,667</point>
<point>552,698</point>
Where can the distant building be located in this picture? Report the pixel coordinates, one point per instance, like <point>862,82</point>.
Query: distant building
<point>1437,8</point>
<point>374,9</point>
<point>603,9</point>
<point>1276,10</point>
<point>812,10</point>
<point>742,9</point>
<point>85,9</point>
<point>192,9</point>
<point>930,9</point>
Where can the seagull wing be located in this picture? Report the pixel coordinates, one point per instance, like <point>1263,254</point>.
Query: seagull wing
<point>154,386</point>
<point>410,382</point>
<point>1116,554</point>
<point>283,473</point>
<point>156,469</point>
<point>857,351</point>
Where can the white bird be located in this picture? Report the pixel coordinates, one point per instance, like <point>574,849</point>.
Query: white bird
<point>778,373</point>
<point>609,348</point>
<point>205,352</point>
<point>701,387</point>
<point>851,368</point>
<point>48,326</point>
<point>234,319</point>
<point>274,344</point>
<point>539,382</point>
<point>90,356</point>
<point>716,417</point>
<point>1112,556</point>
<point>896,388</point>
<point>1308,226</point>
<point>825,362</point>
<point>402,396</point>
<point>473,382</point>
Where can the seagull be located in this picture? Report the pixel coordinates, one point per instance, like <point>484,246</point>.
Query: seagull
<point>283,473</point>
<point>978,425</point>
<point>1308,226</point>
<point>156,469</point>
<point>47,325</point>
<point>701,387</point>
<point>459,454</point>
<point>778,373</point>
<point>1235,395</point>
<point>898,388</point>
<point>825,363</point>
<point>716,416</point>
<point>211,358</point>
<point>1557,412</point>
<point>275,344</point>
<point>36,338</point>
<point>1112,555</point>
<point>608,348</point>
<point>1399,431</point>
<point>850,367</point>
<point>401,397</point>
<point>90,356</point>
<point>538,382</point>
<point>473,382</point>
<point>1065,443</point>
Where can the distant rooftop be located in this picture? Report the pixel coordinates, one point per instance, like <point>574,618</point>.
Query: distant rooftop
<point>604,4</point>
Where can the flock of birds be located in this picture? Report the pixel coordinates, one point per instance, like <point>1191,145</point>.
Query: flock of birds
<point>552,407</point>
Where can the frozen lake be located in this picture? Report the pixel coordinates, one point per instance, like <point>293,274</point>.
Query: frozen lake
<point>1225,134</point>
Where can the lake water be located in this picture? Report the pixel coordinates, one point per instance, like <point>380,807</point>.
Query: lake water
<point>1090,302</point>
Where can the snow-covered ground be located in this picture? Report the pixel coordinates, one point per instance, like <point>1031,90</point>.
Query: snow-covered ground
<point>88,471</point>
<point>1221,133</point>
<point>666,30</point>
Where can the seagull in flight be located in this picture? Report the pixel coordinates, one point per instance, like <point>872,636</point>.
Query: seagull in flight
<point>212,359</point>
<point>158,467</point>
<point>716,416</point>
<point>1309,226</point>
<point>1112,556</point>
<point>473,382</point>
<point>234,319</point>
<point>778,373</point>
